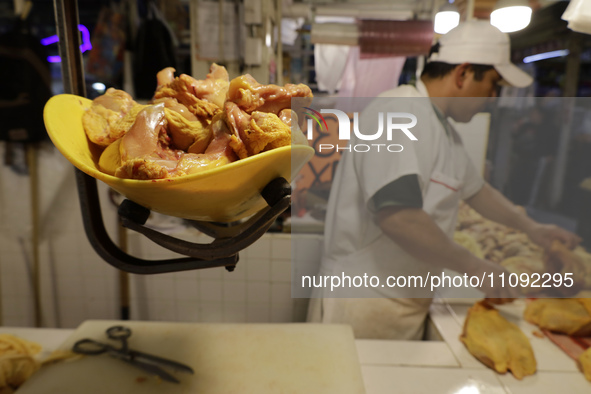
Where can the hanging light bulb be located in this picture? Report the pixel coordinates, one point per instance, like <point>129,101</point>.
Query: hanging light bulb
<point>446,19</point>
<point>511,15</point>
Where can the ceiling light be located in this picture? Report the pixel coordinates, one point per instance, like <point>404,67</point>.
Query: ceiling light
<point>545,55</point>
<point>511,15</point>
<point>446,19</point>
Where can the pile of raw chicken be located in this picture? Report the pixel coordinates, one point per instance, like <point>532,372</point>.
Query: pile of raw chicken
<point>191,125</point>
<point>502,346</point>
<point>516,252</point>
<point>499,343</point>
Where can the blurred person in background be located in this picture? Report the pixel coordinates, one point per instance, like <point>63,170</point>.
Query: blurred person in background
<point>393,214</point>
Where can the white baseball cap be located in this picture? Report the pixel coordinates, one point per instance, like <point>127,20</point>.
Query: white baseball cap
<point>479,42</point>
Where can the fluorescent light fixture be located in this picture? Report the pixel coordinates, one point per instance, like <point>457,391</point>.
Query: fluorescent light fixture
<point>545,55</point>
<point>99,87</point>
<point>446,19</point>
<point>511,15</point>
<point>365,11</point>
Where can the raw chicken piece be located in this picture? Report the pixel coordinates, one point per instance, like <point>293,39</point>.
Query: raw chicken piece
<point>124,124</point>
<point>215,86</point>
<point>184,128</point>
<point>496,342</point>
<point>185,133</point>
<point>251,96</point>
<point>165,76</point>
<point>203,98</point>
<point>101,120</point>
<point>566,315</point>
<point>528,265</point>
<point>290,118</point>
<point>584,363</point>
<point>497,242</point>
<point>586,261</point>
<point>144,148</point>
<point>467,241</point>
<point>256,132</point>
<point>181,89</point>
<point>174,105</point>
<point>218,152</point>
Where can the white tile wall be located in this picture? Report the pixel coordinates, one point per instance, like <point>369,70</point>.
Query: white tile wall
<point>76,284</point>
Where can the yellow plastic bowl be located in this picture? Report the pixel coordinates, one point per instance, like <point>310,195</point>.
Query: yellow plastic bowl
<point>221,194</point>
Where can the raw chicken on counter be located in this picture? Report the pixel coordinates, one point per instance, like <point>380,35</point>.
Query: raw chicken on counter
<point>493,241</point>
<point>571,316</point>
<point>19,359</point>
<point>517,253</point>
<point>496,342</point>
<point>567,323</point>
<point>191,125</point>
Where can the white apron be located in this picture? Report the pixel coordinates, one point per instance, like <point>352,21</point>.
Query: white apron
<point>354,243</point>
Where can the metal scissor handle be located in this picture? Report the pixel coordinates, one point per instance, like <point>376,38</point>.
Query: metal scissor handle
<point>92,347</point>
<point>120,333</point>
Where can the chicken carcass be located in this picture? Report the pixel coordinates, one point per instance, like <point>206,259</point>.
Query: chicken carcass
<point>584,363</point>
<point>251,96</point>
<point>106,120</point>
<point>496,342</point>
<point>569,316</point>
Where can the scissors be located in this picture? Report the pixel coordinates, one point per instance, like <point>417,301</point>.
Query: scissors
<point>144,361</point>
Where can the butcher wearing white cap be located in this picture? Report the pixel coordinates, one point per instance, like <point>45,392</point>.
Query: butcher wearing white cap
<point>396,213</point>
<point>479,42</point>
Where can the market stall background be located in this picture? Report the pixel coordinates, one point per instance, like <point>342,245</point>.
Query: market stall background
<point>77,285</point>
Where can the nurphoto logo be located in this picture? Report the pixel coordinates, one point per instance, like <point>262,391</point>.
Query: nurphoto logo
<point>394,122</point>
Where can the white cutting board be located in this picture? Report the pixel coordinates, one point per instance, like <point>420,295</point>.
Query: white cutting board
<point>227,359</point>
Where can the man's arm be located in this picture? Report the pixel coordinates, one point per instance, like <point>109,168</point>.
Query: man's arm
<point>491,204</point>
<point>417,234</point>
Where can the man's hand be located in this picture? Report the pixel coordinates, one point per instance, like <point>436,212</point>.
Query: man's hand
<point>498,294</point>
<point>545,234</point>
<point>491,204</point>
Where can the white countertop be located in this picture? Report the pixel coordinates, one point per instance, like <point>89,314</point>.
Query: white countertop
<point>446,367</point>
<point>421,367</point>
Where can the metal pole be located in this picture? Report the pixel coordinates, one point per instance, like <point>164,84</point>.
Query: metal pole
<point>279,60</point>
<point>66,18</point>
<point>124,296</point>
<point>36,269</point>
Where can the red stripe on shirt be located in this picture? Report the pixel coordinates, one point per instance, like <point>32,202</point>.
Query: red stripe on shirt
<point>443,184</point>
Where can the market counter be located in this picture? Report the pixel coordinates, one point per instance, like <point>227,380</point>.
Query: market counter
<point>430,366</point>
<point>447,367</point>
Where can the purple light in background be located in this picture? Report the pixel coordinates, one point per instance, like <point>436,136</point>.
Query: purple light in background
<point>49,40</point>
<point>85,46</point>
